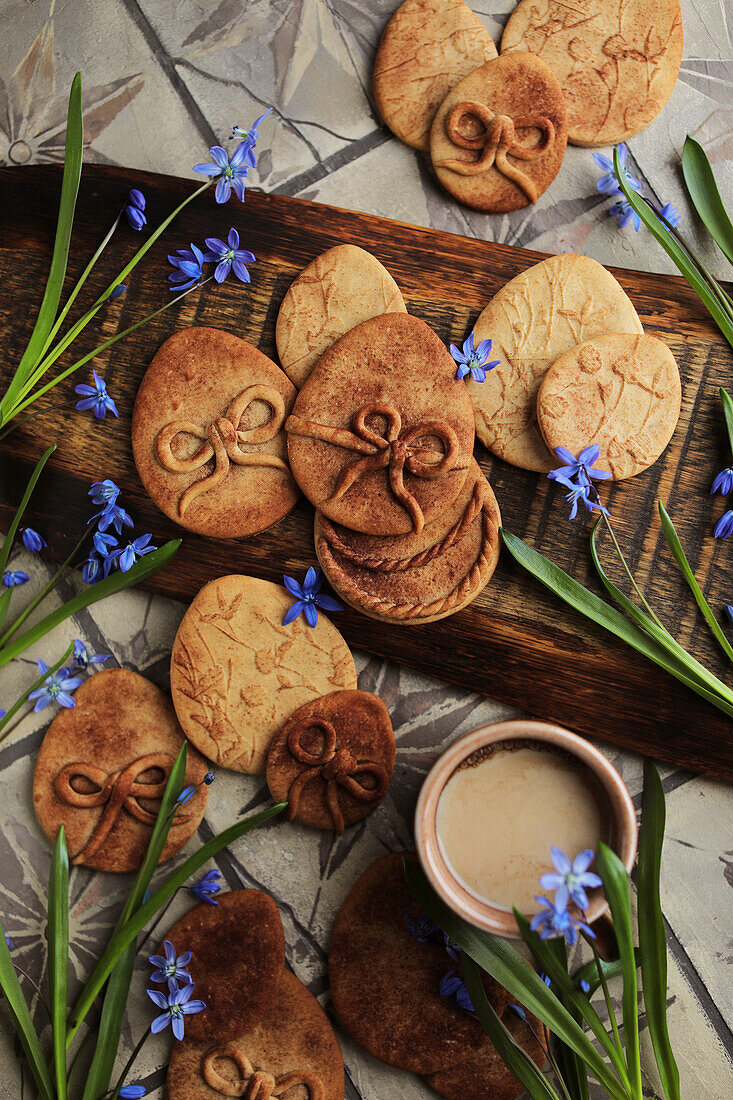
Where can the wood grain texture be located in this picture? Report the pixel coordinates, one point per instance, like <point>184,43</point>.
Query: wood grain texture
<point>516,642</point>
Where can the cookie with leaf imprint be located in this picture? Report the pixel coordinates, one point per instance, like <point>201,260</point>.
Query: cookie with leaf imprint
<point>421,577</point>
<point>333,760</point>
<point>380,438</point>
<point>337,291</point>
<point>621,392</point>
<point>207,434</point>
<point>238,671</point>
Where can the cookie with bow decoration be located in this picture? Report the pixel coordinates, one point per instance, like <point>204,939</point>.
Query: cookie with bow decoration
<point>499,136</point>
<point>102,770</point>
<point>291,1052</point>
<point>417,578</point>
<point>385,979</point>
<point>237,958</point>
<point>381,435</point>
<point>333,759</point>
<point>207,434</point>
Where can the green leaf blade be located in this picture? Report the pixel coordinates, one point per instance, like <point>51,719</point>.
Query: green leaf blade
<point>58,956</point>
<point>652,939</point>
<point>22,1022</point>
<point>13,529</point>
<point>572,1068</point>
<point>703,190</point>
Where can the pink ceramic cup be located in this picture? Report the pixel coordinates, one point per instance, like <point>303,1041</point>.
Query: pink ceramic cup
<point>462,901</point>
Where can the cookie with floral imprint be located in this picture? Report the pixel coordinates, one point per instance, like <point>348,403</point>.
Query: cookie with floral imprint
<point>616,60</point>
<point>417,578</point>
<point>621,391</point>
<point>292,1050</point>
<point>499,136</point>
<point>387,964</point>
<point>426,48</point>
<point>102,770</point>
<point>247,655</point>
<point>208,438</point>
<point>337,291</point>
<point>333,760</point>
<point>234,953</point>
<point>380,438</point>
<point>533,319</point>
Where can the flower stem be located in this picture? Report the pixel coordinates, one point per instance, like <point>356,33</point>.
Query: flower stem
<point>39,412</point>
<point>44,591</point>
<point>121,1080</point>
<point>157,920</point>
<point>19,702</point>
<point>28,978</point>
<point>720,292</point>
<point>630,575</point>
<point>607,995</point>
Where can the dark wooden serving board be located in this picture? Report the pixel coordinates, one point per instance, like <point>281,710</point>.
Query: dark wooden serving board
<point>516,642</point>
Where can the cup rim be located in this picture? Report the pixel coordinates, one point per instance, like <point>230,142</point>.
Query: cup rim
<point>449,888</point>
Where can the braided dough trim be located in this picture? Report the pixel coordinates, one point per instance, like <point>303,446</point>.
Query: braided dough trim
<point>476,578</point>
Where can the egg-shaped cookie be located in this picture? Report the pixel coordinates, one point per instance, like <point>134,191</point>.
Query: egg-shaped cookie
<point>485,1074</point>
<point>426,48</point>
<point>616,60</point>
<point>337,291</point>
<point>292,1049</point>
<point>237,957</point>
<point>418,578</point>
<point>237,674</point>
<point>381,435</point>
<point>207,434</point>
<point>618,391</point>
<point>333,759</point>
<point>102,770</point>
<point>499,136</point>
<point>534,318</point>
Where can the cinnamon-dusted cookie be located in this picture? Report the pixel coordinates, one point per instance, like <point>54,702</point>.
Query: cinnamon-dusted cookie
<point>426,48</point>
<point>616,60</point>
<point>207,434</point>
<point>333,759</point>
<point>385,982</point>
<point>337,291</point>
<point>237,674</point>
<point>291,1052</point>
<point>413,579</point>
<point>485,1074</point>
<point>381,435</point>
<point>533,319</point>
<point>499,136</point>
<point>618,391</point>
<point>237,957</point>
<point>102,770</point>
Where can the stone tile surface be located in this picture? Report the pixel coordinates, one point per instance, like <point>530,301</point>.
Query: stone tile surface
<point>163,81</point>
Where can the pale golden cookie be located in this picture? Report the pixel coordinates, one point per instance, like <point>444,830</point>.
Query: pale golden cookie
<point>102,770</point>
<point>381,435</point>
<point>413,579</point>
<point>618,391</point>
<point>499,136</point>
<point>237,674</point>
<point>533,319</point>
<point>337,291</point>
<point>293,1043</point>
<point>426,48</point>
<point>207,434</point>
<point>617,60</point>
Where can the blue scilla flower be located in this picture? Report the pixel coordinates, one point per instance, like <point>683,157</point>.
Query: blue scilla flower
<point>8,942</point>
<point>228,256</point>
<point>132,1092</point>
<point>671,214</point>
<point>625,214</point>
<point>723,482</point>
<point>175,1006</point>
<point>134,208</point>
<point>308,598</point>
<point>96,397</point>
<point>728,612</point>
<point>580,468</point>
<point>249,137</point>
<point>555,920</point>
<point>32,540</point>
<point>12,578</point>
<point>170,967</point>
<point>580,492</point>
<point>103,544</point>
<point>104,492</point>
<point>207,887</point>
<point>608,182</point>
<point>423,929</point>
<point>583,985</point>
<point>569,880</point>
<point>473,360</point>
<point>83,658</point>
<point>186,794</point>
<point>126,556</point>
<point>113,515</point>
<point>91,569</point>
<point>56,688</point>
<point>189,265</point>
<point>231,171</point>
<point>722,530</point>
<point>452,985</point>
<point>518,1011</point>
